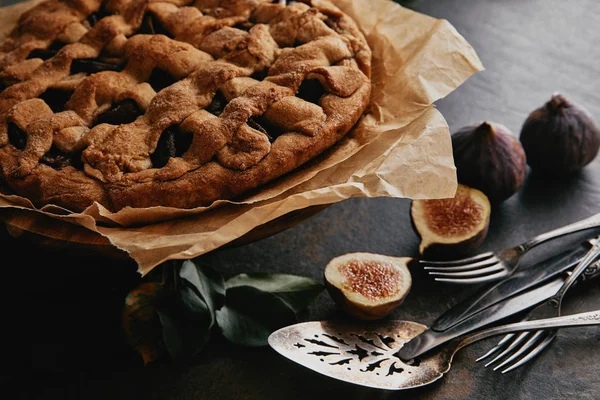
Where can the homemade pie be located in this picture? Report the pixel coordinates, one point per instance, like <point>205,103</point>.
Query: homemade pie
<point>140,103</point>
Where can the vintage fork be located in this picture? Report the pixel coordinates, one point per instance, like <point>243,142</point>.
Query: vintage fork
<point>515,350</point>
<point>492,266</point>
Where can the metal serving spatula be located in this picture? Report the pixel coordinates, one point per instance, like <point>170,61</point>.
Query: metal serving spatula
<point>366,354</point>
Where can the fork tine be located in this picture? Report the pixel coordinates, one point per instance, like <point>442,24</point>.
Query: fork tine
<point>535,339</point>
<point>478,257</point>
<point>497,347</point>
<point>514,343</point>
<point>534,352</point>
<point>473,281</point>
<point>470,274</point>
<point>480,264</point>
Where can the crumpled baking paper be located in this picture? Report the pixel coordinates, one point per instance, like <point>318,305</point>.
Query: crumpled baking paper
<point>400,148</point>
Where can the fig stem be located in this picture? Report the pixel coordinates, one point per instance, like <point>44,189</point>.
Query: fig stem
<point>557,102</point>
<point>485,128</point>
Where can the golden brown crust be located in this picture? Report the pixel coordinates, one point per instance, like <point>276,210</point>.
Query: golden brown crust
<point>242,103</point>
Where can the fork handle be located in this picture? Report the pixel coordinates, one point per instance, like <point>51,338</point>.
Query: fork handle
<point>591,255</point>
<point>568,321</point>
<point>588,223</point>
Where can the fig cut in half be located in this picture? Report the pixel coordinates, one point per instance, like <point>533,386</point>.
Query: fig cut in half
<point>452,227</point>
<point>368,286</point>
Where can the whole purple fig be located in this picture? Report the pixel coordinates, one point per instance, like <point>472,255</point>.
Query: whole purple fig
<point>560,137</point>
<point>490,158</point>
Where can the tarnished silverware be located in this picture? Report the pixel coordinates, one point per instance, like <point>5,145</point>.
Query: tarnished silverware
<point>502,301</point>
<point>367,354</point>
<point>492,266</point>
<point>515,350</point>
<point>518,282</point>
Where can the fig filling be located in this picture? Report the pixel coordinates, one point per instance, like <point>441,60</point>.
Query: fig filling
<point>56,99</point>
<point>160,79</point>
<point>91,66</point>
<point>45,54</point>
<point>217,105</point>
<point>152,26</point>
<point>252,123</point>
<point>94,17</point>
<point>454,217</point>
<point>17,136</point>
<point>260,75</point>
<point>59,160</point>
<point>172,143</point>
<point>311,90</point>
<point>243,26</point>
<point>372,279</point>
<point>263,125</point>
<point>86,65</point>
<point>121,113</point>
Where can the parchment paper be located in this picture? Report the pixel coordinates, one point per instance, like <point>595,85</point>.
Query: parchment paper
<point>400,148</point>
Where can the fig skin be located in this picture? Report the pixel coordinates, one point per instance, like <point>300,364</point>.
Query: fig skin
<point>489,157</point>
<point>560,138</point>
<point>450,228</point>
<point>368,286</point>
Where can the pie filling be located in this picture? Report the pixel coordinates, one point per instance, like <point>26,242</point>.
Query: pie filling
<point>56,99</point>
<point>45,54</point>
<point>124,112</point>
<point>172,143</point>
<point>17,136</point>
<point>58,159</point>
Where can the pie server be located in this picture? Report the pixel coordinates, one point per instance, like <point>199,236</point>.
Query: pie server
<point>365,354</point>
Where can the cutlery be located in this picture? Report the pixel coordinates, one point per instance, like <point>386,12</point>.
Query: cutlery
<point>517,350</point>
<point>518,282</point>
<point>430,339</point>
<point>366,354</point>
<point>492,266</point>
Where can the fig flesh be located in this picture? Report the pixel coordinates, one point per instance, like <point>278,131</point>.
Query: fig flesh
<point>490,158</point>
<point>451,227</point>
<point>368,286</point>
<point>560,138</point>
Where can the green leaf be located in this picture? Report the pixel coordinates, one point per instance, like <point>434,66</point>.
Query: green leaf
<point>182,337</point>
<point>192,301</point>
<point>202,290</point>
<point>242,329</point>
<point>250,315</point>
<point>171,336</point>
<point>196,317</point>
<point>296,291</point>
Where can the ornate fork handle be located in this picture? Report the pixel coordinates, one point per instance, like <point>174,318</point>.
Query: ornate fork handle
<point>591,272</point>
<point>588,223</point>
<point>568,321</point>
<point>580,269</point>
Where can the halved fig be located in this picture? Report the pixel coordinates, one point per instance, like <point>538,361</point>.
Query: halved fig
<point>368,286</point>
<point>451,227</point>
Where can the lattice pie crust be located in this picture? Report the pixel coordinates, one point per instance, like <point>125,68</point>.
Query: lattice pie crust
<point>175,103</point>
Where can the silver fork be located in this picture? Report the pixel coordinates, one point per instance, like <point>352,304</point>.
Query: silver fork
<point>492,266</point>
<point>515,350</point>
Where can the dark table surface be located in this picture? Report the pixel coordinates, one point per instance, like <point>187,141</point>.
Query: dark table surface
<point>61,313</point>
